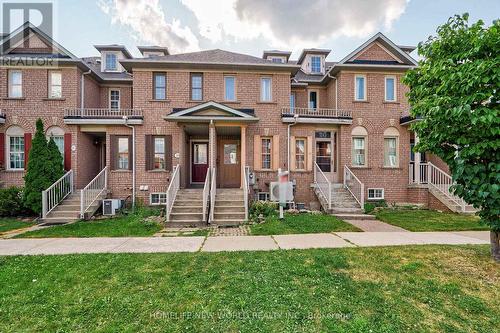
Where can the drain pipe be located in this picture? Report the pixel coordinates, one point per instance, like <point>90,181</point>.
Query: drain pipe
<point>82,89</point>
<point>125,118</point>
<point>295,117</point>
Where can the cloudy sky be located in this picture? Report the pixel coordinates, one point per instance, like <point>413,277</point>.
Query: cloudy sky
<point>251,26</point>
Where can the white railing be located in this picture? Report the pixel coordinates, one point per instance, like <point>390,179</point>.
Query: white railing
<point>93,191</point>
<point>213,192</point>
<point>56,193</point>
<point>316,112</point>
<point>246,190</point>
<point>442,182</point>
<point>354,185</point>
<point>172,191</point>
<point>206,194</point>
<point>422,173</point>
<point>102,113</point>
<point>323,184</point>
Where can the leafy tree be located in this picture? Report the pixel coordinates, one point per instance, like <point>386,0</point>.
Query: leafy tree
<point>455,91</point>
<point>39,170</point>
<point>56,160</point>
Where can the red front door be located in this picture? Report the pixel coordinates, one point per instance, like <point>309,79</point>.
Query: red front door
<point>199,161</point>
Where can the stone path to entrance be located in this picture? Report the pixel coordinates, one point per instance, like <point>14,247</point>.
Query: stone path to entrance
<point>234,243</point>
<point>375,226</point>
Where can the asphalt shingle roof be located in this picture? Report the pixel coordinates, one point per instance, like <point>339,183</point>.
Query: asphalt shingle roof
<point>215,56</point>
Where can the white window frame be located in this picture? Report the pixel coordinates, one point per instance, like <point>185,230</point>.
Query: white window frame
<point>356,87</point>
<point>374,191</point>
<point>265,194</point>
<point>277,60</point>
<point>365,150</point>
<point>18,134</point>
<point>160,199</point>
<point>270,89</point>
<point>396,138</point>
<point>56,132</point>
<point>118,166</point>
<point>51,85</point>
<point>385,89</point>
<point>155,97</point>
<point>234,88</point>
<point>119,98</point>
<point>293,100</point>
<point>320,65</point>
<point>104,61</point>
<point>11,85</point>
<point>297,154</point>
<point>270,138</point>
<point>161,154</point>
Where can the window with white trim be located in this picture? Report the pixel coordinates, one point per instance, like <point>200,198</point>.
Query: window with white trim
<point>292,101</point>
<point>123,145</point>
<point>360,88</point>
<point>265,89</point>
<point>55,84</point>
<point>300,154</point>
<point>57,134</point>
<point>229,88</point>
<point>358,151</point>
<point>160,86</point>
<point>111,62</point>
<point>263,196</point>
<point>375,194</point>
<point>15,84</point>
<point>159,198</point>
<point>114,99</point>
<point>391,152</point>
<point>159,153</point>
<point>315,64</point>
<point>390,89</point>
<point>15,148</point>
<point>267,144</point>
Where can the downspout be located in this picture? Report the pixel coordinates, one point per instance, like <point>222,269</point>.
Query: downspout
<point>295,117</point>
<point>82,89</point>
<point>125,118</point>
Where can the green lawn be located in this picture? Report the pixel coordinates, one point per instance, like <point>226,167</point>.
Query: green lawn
<point>429,220</point>
<point>123,226</point>
<point>398,289</point>
<point>7,224</point>
<point>301,224</point>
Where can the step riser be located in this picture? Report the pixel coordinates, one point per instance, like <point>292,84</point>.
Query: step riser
<point>63,214</point>
<point>186,209</point>
<point>229,216</point>
<point>227,223</point>
<point>229,209</point>
<point>186,216</point>
<point>223,203</point>
<point>178,203</point>
<point>49,221</point>
<point>180,224</point>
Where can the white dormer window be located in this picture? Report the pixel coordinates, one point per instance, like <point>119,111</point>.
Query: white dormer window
<point>315,64</point>
<point>111,62</point>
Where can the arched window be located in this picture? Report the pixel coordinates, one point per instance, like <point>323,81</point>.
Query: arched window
<point>57,134</point>
<point>359,146</point>
<point>391,147</point>
<point>15,148</point>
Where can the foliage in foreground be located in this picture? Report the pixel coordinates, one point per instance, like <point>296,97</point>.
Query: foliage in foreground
<point>11,202</point>
<point>455,92</point>
<point>262,209</point>
<point>390,289</point>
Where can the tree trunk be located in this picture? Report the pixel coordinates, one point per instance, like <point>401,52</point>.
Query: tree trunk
<point>495,245</point>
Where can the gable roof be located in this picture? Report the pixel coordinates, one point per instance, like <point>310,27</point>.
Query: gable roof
<point>196,113</point>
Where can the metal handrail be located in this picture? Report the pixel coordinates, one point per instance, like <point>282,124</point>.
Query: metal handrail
<point>172,192</point>
<point>246,190</point>
<point>321,180</point>
<point>316,112</point>
<point>213,192</point>
<point>206,194</point>
<point>357,189</point>
<point>101,113</point>
<point>93,190</point>
<point>56,193</point>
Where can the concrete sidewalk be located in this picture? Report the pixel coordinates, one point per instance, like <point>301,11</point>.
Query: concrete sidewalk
<point>234,243</point>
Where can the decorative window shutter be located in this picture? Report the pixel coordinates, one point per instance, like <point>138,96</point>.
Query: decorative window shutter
<point>113,150</point>
<point>149,153</point>
<point>27,148</point>
<point>292,154</point>
<point>168,152</point>
<point>67,151</point>
<point>276,152</point>
<point>2,150</point>
<point>309,153</point>
<point>130,153</point>
<point>257,153</point>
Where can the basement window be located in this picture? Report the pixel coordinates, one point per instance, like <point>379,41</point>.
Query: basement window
<point>156,199</point>
<point>375,194</point>
<point>263,196</point>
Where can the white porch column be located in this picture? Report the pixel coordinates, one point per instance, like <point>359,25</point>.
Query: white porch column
<point>212,145</point>
<point>243,153</point>
<point>417,162</point>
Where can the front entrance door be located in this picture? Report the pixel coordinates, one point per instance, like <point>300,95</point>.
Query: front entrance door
<point>199,161</point>
<point>228,163</point>
<point>325,154</point>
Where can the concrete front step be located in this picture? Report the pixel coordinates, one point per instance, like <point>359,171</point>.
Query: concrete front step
<point>338,210</point>
<point>183,202</point>
<point>57,220</point>
<point>229,216</point>
<point>185,224</point>
<point>354,216</point>
<point>187,209</point>
<point>186,216</point>
<point>230,209</point>
<point>65,213</point>
<point>228,223</point>
<point>225,203</point>
<point>67,207</point>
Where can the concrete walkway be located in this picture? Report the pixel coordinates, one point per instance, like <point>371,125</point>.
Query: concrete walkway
<point>234,243</point>
<point>375,226</point>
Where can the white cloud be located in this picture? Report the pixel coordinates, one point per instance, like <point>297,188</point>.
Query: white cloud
<point>293,23</point>
<point>146,19</point>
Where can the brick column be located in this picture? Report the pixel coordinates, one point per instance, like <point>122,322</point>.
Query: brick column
<point>212,144</point>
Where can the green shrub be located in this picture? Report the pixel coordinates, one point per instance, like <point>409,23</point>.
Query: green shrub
<point>266,208</point>
<point>370,206</point>
<point>11,202</point>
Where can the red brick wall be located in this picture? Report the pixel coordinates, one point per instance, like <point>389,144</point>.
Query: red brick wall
<point>374,52</point>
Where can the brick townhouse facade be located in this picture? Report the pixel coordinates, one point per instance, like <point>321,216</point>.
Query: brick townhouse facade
<point>326,122</point>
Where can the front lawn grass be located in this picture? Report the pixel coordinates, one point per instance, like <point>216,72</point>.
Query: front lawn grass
<point>8,224</point>
<point>121,226</point>
<point>429,220</point>
<point>301,224</point>
<point>388,289</point>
